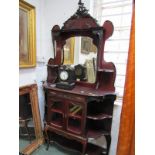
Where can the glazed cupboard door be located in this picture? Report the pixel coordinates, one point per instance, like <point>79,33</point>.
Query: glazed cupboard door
<point>75,122</point>
<point>56,112</point>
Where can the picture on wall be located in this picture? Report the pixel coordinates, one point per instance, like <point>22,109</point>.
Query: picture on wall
<point>27,38</point>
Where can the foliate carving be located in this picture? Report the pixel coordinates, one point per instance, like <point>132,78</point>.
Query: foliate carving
<point>82,12</point>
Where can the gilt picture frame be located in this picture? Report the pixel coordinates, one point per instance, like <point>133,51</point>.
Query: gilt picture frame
<point>27,35</point>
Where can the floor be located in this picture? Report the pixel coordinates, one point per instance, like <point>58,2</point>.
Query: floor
<point>23,144</point>
<point>53,150</point>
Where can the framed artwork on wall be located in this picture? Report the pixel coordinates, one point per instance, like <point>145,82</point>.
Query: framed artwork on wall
<point>27,35</point>
<point>69,51</point>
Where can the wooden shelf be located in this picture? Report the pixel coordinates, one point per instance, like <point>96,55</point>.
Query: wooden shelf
<point>96,133</point>
<point>99,116</point>
<point>65,143</point>
<point>53,66</point>
<point>57,111</point>
<point>106,70</point>
<point>57,123</point>
<point>75,116</point>
<point>94,149</point>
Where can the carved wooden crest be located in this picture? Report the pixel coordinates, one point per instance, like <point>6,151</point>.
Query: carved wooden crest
<point>82,17</point>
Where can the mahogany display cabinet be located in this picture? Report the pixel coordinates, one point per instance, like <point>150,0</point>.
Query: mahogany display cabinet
<point>73,116</point>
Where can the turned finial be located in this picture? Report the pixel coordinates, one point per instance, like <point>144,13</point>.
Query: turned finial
<point>80,2</point>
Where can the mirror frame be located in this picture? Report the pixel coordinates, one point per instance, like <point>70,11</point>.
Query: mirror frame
<point>33,91</point>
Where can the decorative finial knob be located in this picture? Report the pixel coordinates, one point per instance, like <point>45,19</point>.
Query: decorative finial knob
<point>80,2</point>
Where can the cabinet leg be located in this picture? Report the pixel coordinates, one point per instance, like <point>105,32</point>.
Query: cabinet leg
<point>47,138</point>
<point>84,148</point>
<point>48,143</point>
<point>108,139</point>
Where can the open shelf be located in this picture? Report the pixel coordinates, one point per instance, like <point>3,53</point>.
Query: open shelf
<point>67,144</point>
<point>96,128</point>
<point>100,109</point>
<point>94,149</point>
<point>99,116</point>
<point>92,133</point>
<point>53,66</point>
<point>106,70</point>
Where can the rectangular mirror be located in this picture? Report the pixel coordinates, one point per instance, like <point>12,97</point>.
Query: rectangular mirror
<point>30,130</point>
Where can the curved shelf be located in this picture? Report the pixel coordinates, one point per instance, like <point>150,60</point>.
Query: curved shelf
<point>66,147</point>
<point>94,149</point>
<point>53,66</point>
<point>99,116</point>
<point>96,133</point>
<point>106,70</point>
<point>66,144</point>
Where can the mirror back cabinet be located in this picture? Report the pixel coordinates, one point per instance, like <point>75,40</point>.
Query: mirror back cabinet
<point>74,116</point>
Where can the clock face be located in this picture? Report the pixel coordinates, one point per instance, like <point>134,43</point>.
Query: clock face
<point>64,75</point>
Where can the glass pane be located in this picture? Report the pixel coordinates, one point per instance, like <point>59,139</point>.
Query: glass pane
<point>75,118</point>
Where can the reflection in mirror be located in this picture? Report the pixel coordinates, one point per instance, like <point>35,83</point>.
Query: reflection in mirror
<point>26,124</point>
<point>81,53</point>
<point>69,51</point>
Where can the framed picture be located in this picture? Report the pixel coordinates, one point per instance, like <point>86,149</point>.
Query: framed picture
<point>87,45</point>
<point>27,35</point>
<point>69,51</point>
